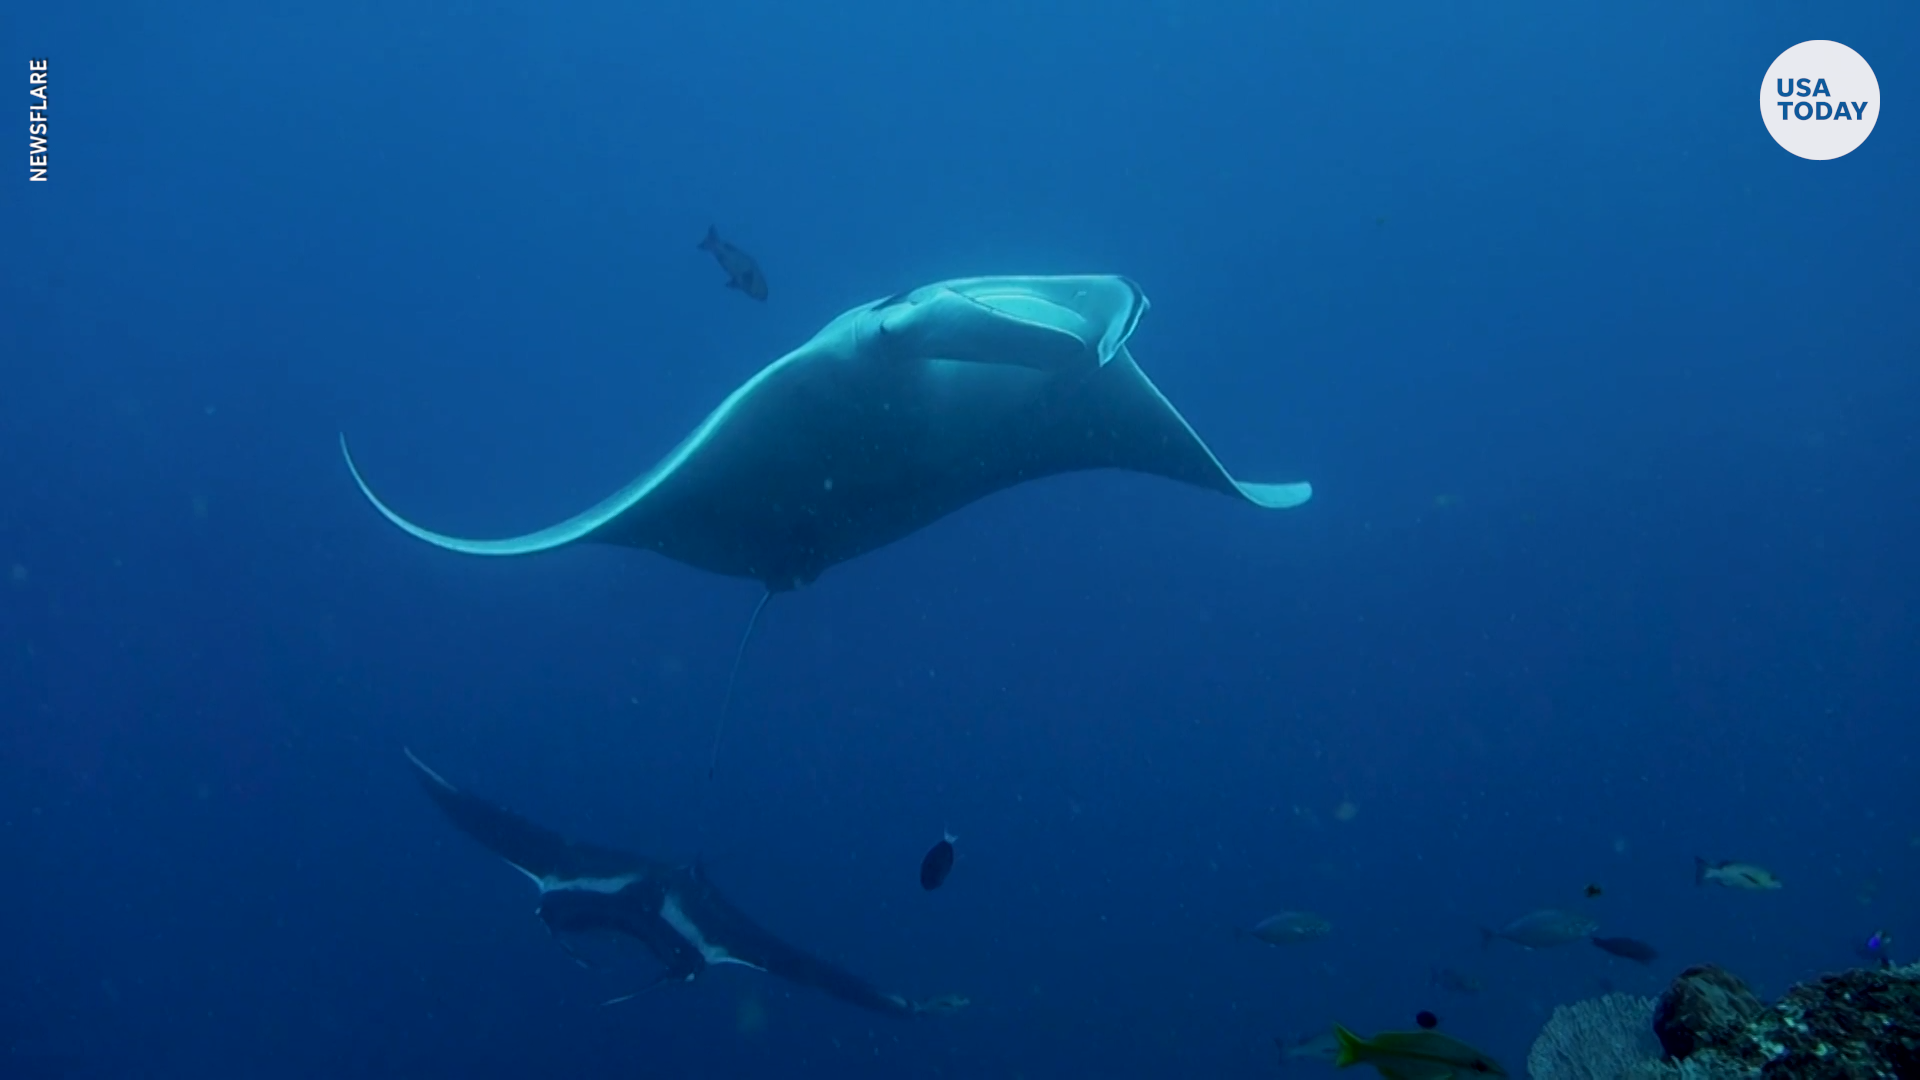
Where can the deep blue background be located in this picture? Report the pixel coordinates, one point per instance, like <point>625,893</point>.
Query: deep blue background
<point>1607,399</point>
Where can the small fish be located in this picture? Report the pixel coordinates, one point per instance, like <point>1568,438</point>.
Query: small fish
<point>1637,951</point>
<point>1734,875</point>
<point>1414,1055</point>
<point>938,863</point>
<point>1543,929</point>
<point>1592,891</point>
<point>742,272</point>
<point>1289,927</point>
<point>1426,1020</point>
<point>1874,949</point>
<point>1455,982</point>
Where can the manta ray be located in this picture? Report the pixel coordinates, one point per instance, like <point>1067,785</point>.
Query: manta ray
<point>674,911</point>
<point>896,414</point>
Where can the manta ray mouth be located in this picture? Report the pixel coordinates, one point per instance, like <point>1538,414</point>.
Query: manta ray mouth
<point>1080,314</point>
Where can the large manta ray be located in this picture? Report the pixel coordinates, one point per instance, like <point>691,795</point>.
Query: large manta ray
<point>896,414</point>
<point>674,911</point>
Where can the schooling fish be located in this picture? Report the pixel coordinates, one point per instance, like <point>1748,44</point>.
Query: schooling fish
<point>938,863</point>
<point>1734,875</point>
<point>1543,929</point>
<point>742,272</point>
<point>1627,948</point>
<point>1404,1055</point>
<point>1289,927</point>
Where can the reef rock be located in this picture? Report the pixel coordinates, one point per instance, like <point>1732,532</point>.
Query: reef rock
<point>1856,1025</point>
<point>1706,1007</point>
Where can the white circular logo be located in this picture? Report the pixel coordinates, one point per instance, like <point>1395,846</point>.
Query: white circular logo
<point>1820,100</point>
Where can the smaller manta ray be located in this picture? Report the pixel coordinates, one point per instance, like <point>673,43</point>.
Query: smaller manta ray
<point>742,272</point>
<point>672,910</point>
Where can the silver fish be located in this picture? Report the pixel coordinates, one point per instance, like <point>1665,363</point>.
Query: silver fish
<point>1289,927</point>
<point>1734,875</point>
<point>1543,929</point>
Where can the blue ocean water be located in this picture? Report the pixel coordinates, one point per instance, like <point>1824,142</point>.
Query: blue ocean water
<point>1608,403</point>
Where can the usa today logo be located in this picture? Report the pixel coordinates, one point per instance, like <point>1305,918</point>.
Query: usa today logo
<point>1820,100</point>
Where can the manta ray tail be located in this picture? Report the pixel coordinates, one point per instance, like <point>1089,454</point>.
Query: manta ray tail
<point>733,675</point>
<point>726,707</point>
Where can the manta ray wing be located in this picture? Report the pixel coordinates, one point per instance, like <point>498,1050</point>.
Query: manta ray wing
<point>896,414</point>
<point>1131,425</point>
<point>550,859</point>
<point>674,911</point>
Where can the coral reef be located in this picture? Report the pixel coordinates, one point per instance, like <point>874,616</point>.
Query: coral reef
<point>1704,1007</point>
<point>1855,1025</point>
<point>1597,1039</point>
<point>1852,1026</point>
